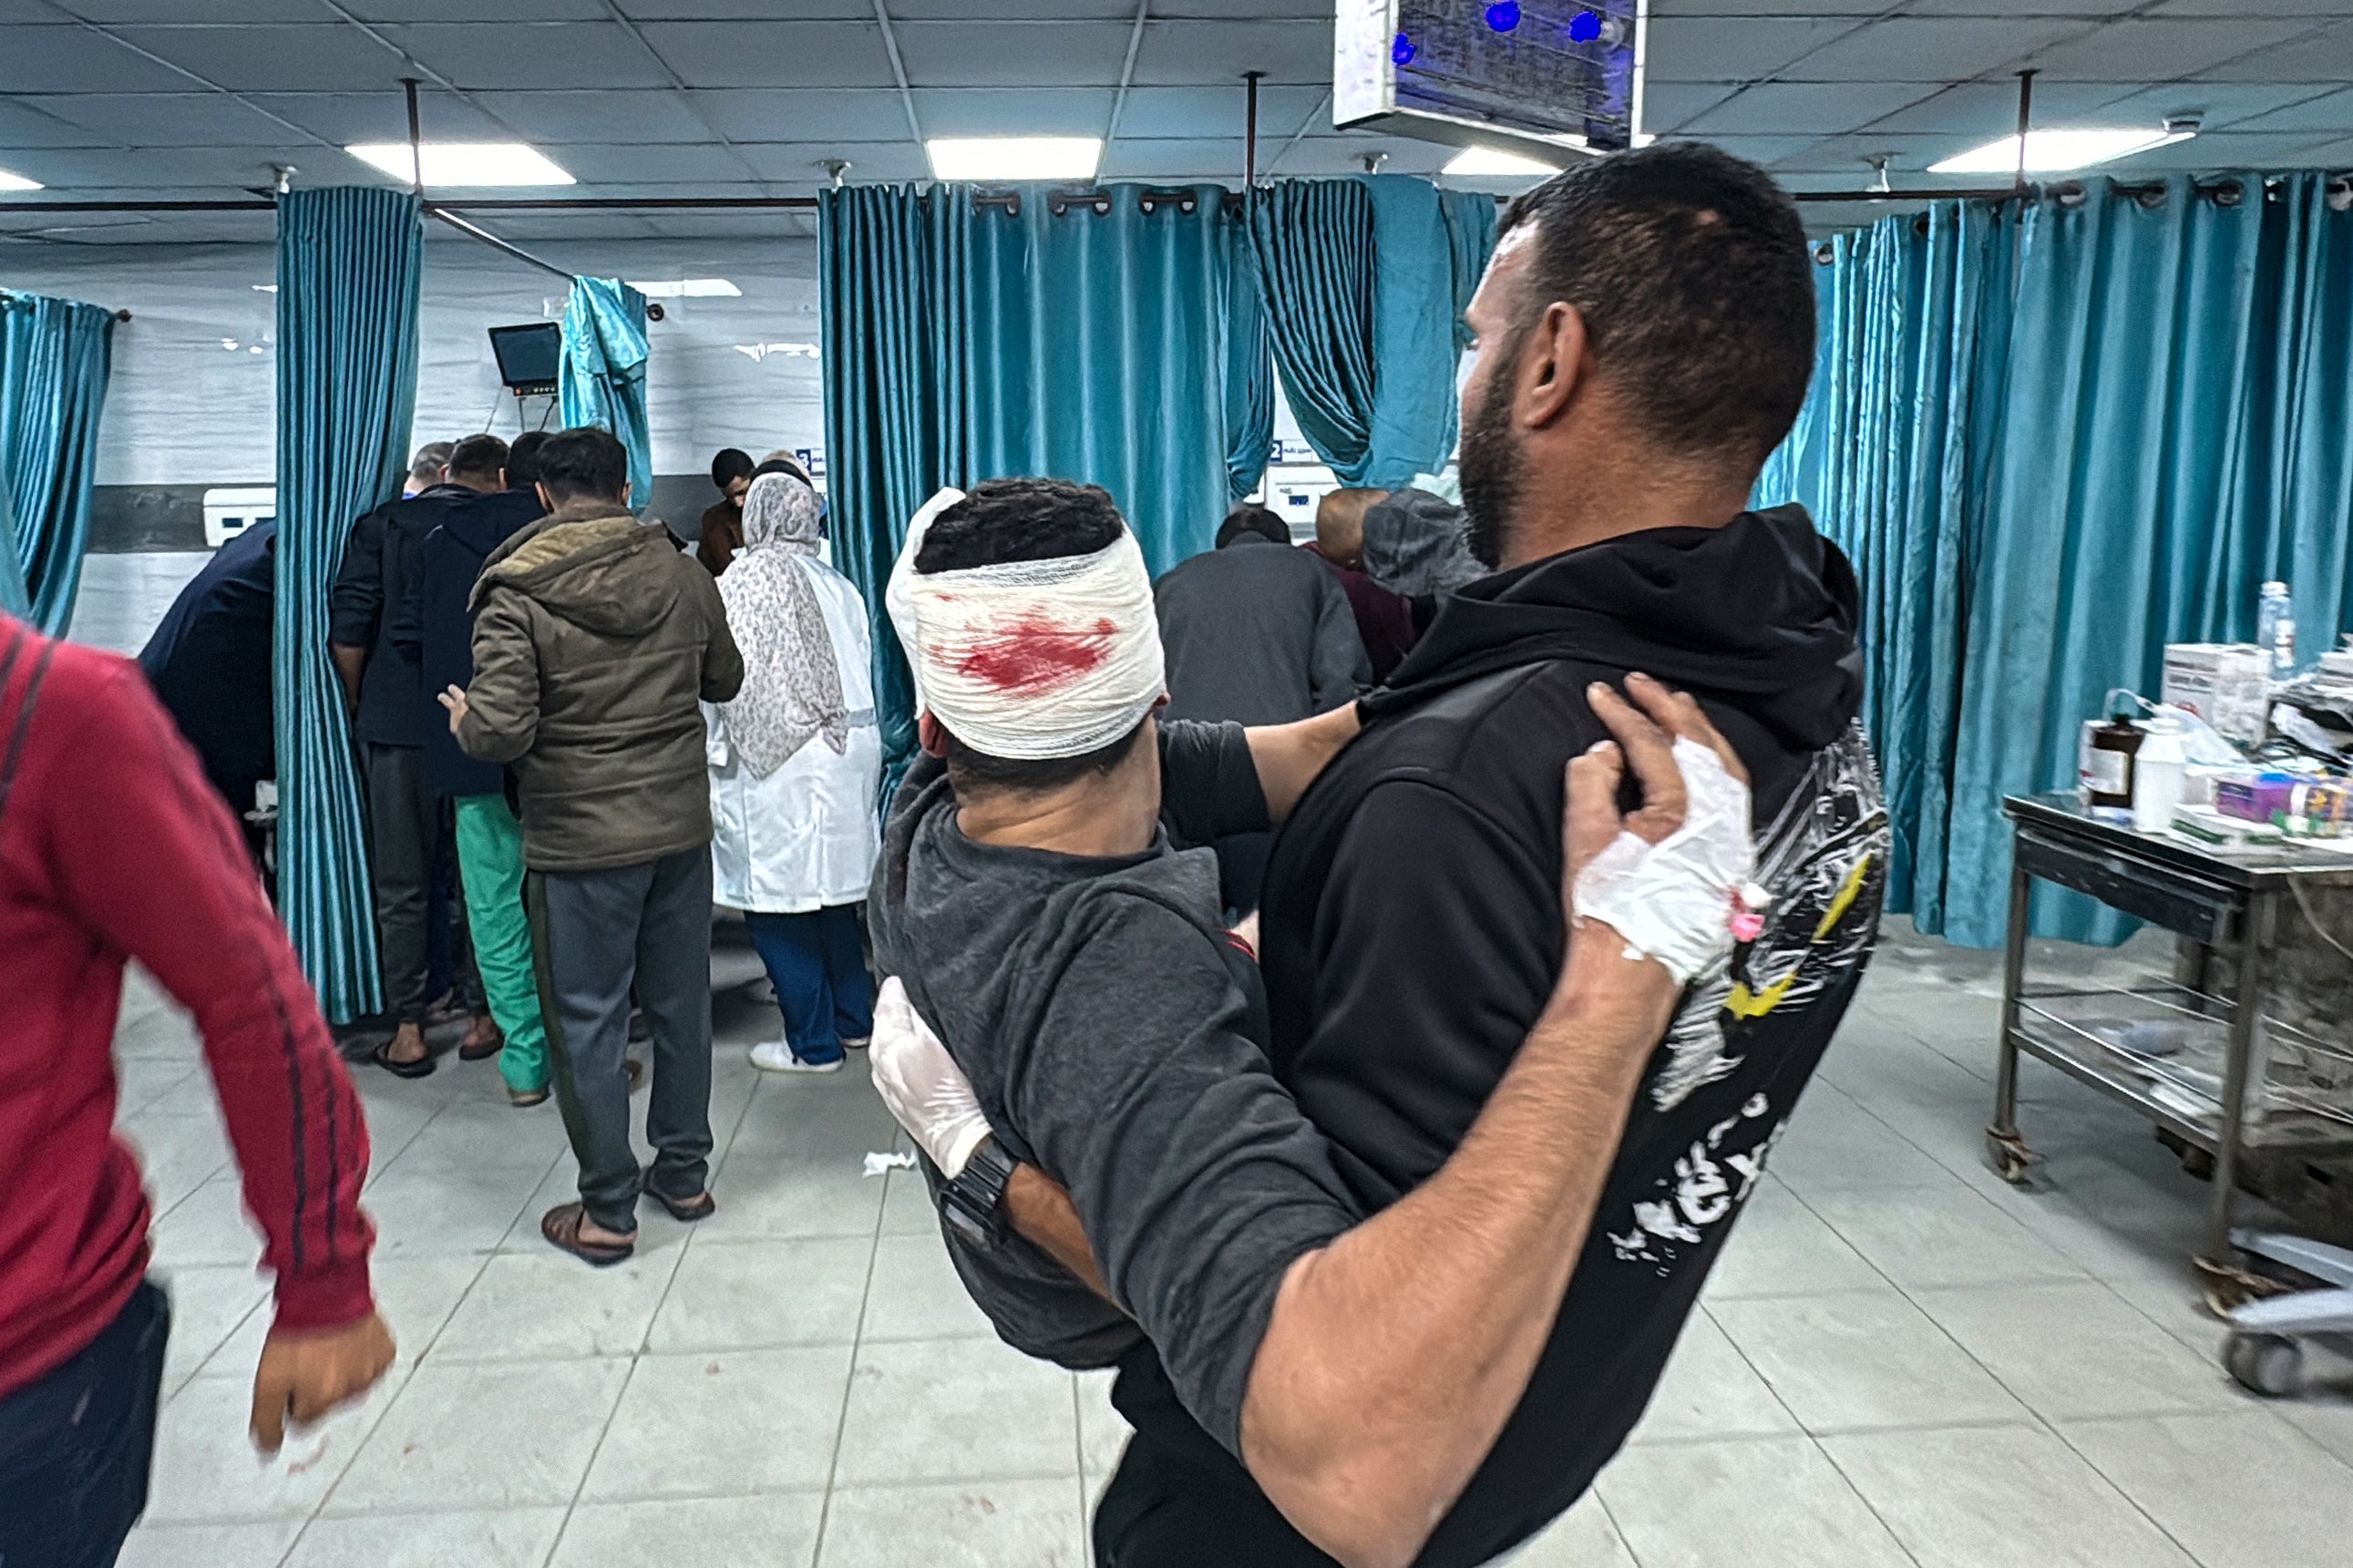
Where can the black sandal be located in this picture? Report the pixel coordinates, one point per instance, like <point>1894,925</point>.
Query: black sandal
<point>417,1068</point>
<point>702,1206</point>
<point>469,1053</point>
<point>561,1226</point>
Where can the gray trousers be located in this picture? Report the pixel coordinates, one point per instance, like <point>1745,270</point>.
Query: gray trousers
<point>405,831</point>
<point>596,936</point>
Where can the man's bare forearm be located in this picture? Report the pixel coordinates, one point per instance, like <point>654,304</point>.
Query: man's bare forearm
<point>1395,1354</point>
<point>1289,756</point>
<point>1043,1215</point>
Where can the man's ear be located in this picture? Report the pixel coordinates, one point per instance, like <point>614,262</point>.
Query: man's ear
<point>545,501</point>
<point>934,739</point>
<point>1554,369</point>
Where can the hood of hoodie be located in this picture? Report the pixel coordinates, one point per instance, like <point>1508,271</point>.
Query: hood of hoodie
<point>593,566</point>
<point>1415,545</point>
<point>483,522</point>
<point>1761,613</point>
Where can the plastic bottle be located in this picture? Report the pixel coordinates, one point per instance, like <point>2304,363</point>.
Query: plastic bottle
<point>2276,628</point>
<point>2160,773</point>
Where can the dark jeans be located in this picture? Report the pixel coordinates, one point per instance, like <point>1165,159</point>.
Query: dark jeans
<point>406,830</point>
<point>1180,1501</point>
<point>595,936</point>
<point>817,961</point>
<point>75,1446</point>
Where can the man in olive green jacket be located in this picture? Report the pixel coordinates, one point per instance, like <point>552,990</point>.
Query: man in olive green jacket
<point>593,642</point>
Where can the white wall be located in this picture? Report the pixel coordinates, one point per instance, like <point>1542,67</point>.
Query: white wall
<point>191,398</point>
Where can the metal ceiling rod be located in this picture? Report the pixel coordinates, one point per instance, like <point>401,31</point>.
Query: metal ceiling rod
<point>1249,133</point>
<point>2025,122</point>
<point>416,184</point>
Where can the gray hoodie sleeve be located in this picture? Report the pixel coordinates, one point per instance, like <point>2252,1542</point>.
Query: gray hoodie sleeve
<point>1197,1180</point>
<point>1339,672</point>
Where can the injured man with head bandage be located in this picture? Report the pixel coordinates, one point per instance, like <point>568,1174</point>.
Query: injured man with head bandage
<point>1080,1048</point>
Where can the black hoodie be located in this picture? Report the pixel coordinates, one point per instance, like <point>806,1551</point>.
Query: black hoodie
<point>434,628</point>
<point>1413,929</point>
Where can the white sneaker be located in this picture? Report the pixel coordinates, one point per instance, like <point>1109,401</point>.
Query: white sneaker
<point>776,1055</point>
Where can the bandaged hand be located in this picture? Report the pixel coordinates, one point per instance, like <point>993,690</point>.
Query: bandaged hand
<point>1675,879</point>
<point>927,1093</point>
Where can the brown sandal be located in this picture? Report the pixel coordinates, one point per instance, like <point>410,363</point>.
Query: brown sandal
<point>561,1226</point>
<point>476,1049</point>
<point>702,1206</point>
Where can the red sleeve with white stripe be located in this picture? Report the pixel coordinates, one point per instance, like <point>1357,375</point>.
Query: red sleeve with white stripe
<point>149,855</point>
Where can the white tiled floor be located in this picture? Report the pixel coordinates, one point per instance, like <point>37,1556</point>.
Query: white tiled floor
<point>1901,1360</point>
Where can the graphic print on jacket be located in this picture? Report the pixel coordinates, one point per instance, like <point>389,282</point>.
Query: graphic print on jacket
<point>1823,858</point>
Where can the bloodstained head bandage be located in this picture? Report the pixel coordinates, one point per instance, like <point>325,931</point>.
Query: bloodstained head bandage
<point>1029,660</point>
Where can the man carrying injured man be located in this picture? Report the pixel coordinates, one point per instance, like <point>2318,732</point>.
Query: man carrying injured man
<point>1645,336</point>
<point>1034,906</point>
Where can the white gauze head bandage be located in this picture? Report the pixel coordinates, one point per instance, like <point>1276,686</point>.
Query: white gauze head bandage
<point>1029,660</point>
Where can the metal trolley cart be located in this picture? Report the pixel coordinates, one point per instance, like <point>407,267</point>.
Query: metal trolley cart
<point>2204,1053</point>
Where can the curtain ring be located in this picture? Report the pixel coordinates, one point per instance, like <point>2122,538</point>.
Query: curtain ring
<point>2338,193</point>
<point>1825,253</point>
<point>2070,195</point>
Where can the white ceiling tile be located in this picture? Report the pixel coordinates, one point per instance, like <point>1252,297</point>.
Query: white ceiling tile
<point>163,119</point>
<point>1802,108</point>
<point>2250,8</point>
<point>550,117</point>
<point>25,123</point>
<point>2322,56</point>
<point>1771,152</point>
<point>344,118</point>
<point>2093,9</point>
<point>1185,54</point>
<point>773,53</point>
<point>1679,10</point>
<point>2147,50</point>
<point>1735,48</point>
<point>112,11</point>
<point>474,11</point>
<point>606,164</point>
<point>1015,10</point>
<point>531,54</point>
<point>1315,156</point>
<point>2238,106</point>
<point>804,114</point>
<point>66,59</point>
<point>1668,104</point>
<point>1988,108</point>
<point>1014,111</point>
<point>1012,54</point>
<point>2223,150</point>
<point>2329,111</point>
<point>870,161</point>
<point>1173,160</point>
<point>1932,48</point>
<point>748,10</point>
<point>331,56</point>
<point>1187,111</point>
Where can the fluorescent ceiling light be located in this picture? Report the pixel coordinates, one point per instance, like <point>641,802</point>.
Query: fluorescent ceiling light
<point>1015,157</point>
<point>9,182</point>
<point>689,288</point>
<point>464,162</point>
<point>2056,152</point>
<point>1494,163</point>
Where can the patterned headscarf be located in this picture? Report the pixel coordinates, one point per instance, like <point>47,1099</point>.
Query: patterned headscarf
<point>792,675</point>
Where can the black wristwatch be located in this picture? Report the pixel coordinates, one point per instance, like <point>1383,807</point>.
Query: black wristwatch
<point>973,1203</point>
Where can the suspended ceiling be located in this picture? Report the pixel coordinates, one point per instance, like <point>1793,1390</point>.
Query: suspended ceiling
<point>197,99</point>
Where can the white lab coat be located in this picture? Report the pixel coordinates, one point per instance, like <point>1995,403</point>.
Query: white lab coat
<point>806,835</point>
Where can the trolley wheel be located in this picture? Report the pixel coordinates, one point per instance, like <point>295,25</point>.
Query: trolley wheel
<point>2011,1157</point>
<point>2270,1364</point>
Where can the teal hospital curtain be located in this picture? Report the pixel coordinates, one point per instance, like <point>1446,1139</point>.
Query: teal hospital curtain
<point>890,263</point>
<point>602,381</point>
<point>54,359</point>
<point>1099,353</point>
<point>1250,373</point>
<point>349,262</point>
<point>965,343</point>
<point>2054,440</point>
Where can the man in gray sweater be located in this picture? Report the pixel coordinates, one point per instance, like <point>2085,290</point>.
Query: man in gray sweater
<point>593,642</point>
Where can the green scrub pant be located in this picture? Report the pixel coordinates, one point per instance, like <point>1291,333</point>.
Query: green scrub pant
<point>490,859</point>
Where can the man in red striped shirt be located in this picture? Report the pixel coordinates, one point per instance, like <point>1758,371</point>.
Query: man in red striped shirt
<point>113,847</point>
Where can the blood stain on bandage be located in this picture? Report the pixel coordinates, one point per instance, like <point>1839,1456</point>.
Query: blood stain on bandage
<point>1036,654</point>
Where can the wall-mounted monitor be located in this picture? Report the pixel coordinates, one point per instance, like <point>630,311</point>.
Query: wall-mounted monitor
<point>529,356</point>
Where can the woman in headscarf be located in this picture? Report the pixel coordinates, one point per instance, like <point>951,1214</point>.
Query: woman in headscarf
<point>795,763</point>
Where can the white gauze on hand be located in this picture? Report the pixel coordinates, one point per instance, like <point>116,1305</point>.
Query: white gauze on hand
<point>1030,659</point>
<point>1675,901</point>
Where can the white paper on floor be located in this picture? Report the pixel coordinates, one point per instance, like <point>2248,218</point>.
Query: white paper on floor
<point>877,1164</point>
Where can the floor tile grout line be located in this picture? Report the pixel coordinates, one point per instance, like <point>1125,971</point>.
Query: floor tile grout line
<point>1754,1370</point>
<point>849,1386</point>
<point>2117,1486</point>
<point>1871,1508</point>
<point>1593,1491</point>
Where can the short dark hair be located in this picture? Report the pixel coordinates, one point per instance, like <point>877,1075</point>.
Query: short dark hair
<point>431,459</point>
<point>733,463</point>
<point>481,456</point>
<point>1000,520</point>
<point>1021,519</point>
<point>585,462</point>
<point>1251,518</point>
<point>1691,272</point>
<point>522,459</point>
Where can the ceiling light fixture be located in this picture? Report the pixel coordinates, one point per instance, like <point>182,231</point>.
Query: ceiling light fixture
<point>465,163</point>
<point>689,289</point>
<point>1494,163</point>
<point>2057,151</point>
<point>9,182</point>
<point>1015,157</point>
